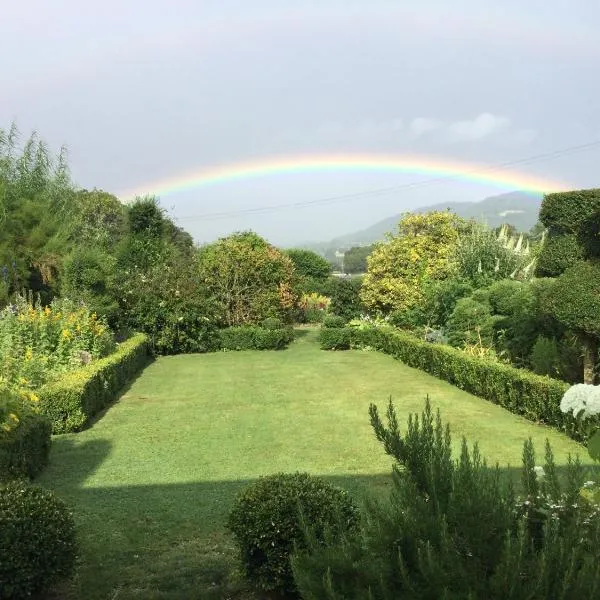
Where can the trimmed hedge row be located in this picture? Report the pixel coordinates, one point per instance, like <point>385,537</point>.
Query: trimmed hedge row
<point>532,396</point>
<point>335,338</point>
<point>73,400</point>
<point>24,450</point>
<point>252,337</point>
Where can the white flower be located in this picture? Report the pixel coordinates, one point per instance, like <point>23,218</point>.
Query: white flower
<point>539,472</point>
<point>589,484</point>
<point>581,399</point>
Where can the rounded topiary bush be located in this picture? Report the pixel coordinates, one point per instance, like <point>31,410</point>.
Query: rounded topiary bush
<point>266,521</point>
<point>37,540</point>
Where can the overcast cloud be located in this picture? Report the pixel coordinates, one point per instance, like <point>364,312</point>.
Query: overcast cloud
<point>144,91</point>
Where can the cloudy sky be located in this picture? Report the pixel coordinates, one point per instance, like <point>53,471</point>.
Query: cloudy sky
<point>143,92</point>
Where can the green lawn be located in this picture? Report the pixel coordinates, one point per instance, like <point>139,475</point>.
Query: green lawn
<point>151,482</point>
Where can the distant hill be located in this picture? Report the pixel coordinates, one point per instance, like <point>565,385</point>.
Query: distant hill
<point>517,208</point>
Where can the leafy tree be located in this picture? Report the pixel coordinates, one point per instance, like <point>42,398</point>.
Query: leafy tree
<point>571,253</point>
<point>35,193</point>
<point>248,278</point>
<point>89,275</point>
<point>311,269</point>
<point>422,250</point>
<point>576,304</point>
<point>355,259</point>
<point>345,296</point>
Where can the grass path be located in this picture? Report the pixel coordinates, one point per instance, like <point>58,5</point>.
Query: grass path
<point>151,482</point>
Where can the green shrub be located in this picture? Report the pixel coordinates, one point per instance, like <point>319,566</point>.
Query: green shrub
<point>72,401</point>
<point>334,322</point>
<point>25,448</point>
<point>520,391</point>
<point>251,337</point>
<point>267,523</point>
<point>272,323</point>
<point>335,338</point>
<point>558,253</point>
<point>345,296</point>
<point>545,357</point>
<point>37,541</point>
<point>569,212</point>
<point>471,322</point>
<point>453,528</point>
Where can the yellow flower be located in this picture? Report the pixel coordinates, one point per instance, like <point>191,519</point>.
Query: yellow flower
<point>47,310</point>
<point>34,398</point>
<point>28,354</point>
<point>6,426</point>
<point>14,417</point>
<point>66,334</point>
<point>22,381</point>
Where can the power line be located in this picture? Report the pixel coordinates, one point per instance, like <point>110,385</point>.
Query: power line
<point>382,191</point>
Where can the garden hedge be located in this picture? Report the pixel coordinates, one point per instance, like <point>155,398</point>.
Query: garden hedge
<point>252,337</point>
<point>77,396</point>
<point>532,396</point>
<point>24,450</point>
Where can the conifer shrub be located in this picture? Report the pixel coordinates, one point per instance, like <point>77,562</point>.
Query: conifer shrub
<point>37,541</point>
<point>267,521</point>
<point>454,528</point>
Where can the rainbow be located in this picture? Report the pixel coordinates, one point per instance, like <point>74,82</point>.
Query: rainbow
<point>435,170</point>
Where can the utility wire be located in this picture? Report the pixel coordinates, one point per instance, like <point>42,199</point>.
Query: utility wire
<point>382,191</point>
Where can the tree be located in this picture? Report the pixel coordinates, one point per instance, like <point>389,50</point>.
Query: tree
<point>309,264</point>
<point>422,250</point>
<point>249,279</point>
<point>355,259</point>
<point>576,304</point>
<point>571,252</point>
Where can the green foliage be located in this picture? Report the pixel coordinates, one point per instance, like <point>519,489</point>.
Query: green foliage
<point>334,322</point>
<point>309,264</point>
<point>168,302</point>
<point>471,322</point>
<point>87,276</point>
<point>575,301</point>
<point>559,252</point>
<point>249,279</point>
<point>38,344</point>
<point>569,212</point>
<point>545,357</point>
<point>73,400</point>
<point>453,528</point>
<point>355,259</point>
<point>24,438</point>
<point>34,201</point>
<point>272,323</point>
<point>440,298</point>
<point>522,392</point>
<point>345,296</point>
<point>335,338</point>
<point>312,308</point>
<point>251,337</point>
<point>37,541</point>
<point>422,250</point>
<point>267,521</point>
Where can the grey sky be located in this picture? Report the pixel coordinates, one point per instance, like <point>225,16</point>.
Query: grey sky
<point>143,91</point>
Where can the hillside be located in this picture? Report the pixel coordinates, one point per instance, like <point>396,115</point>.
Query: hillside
<point>517,208</point>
